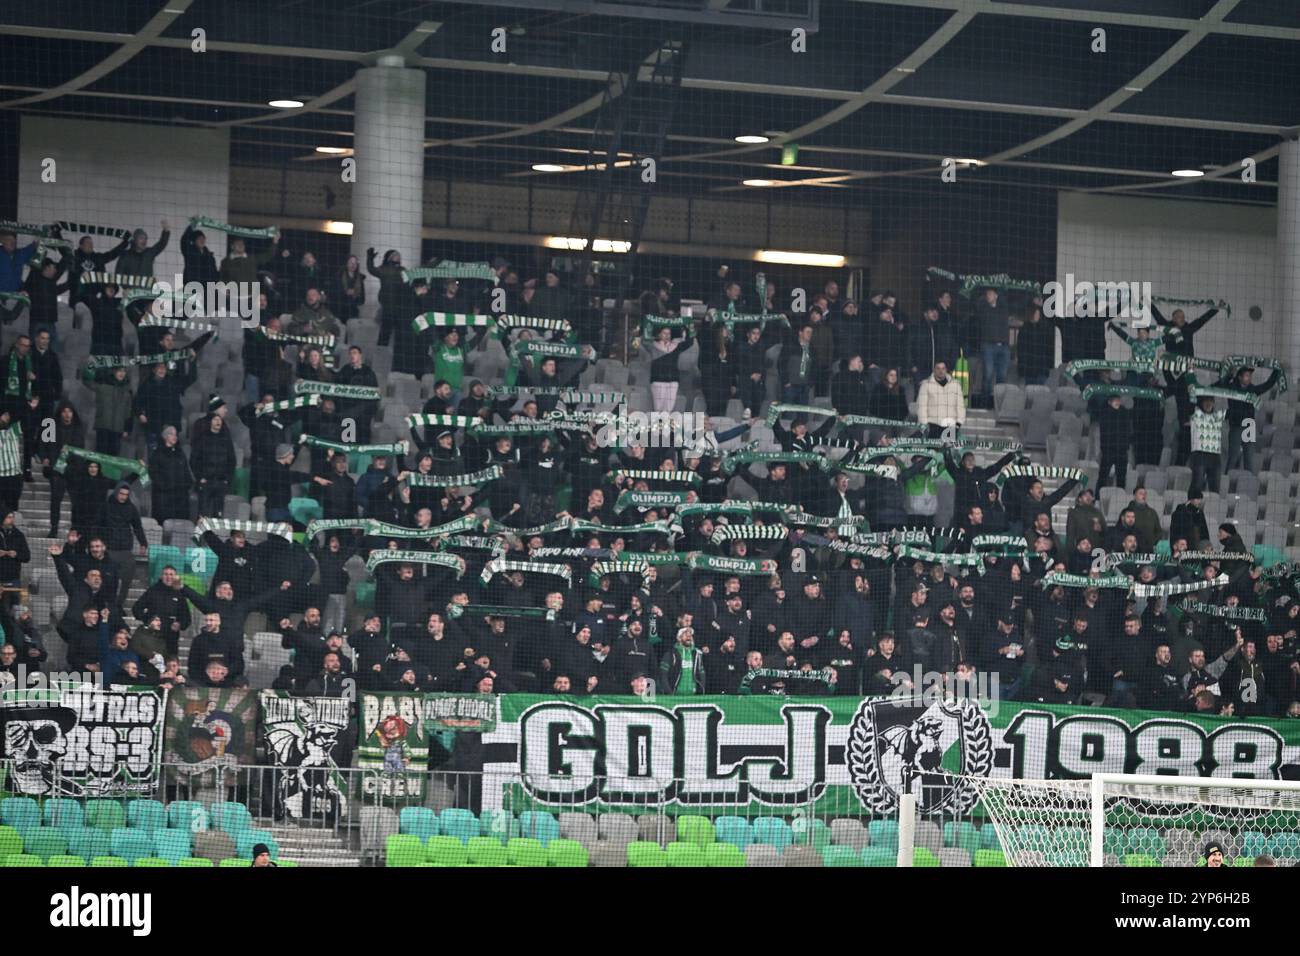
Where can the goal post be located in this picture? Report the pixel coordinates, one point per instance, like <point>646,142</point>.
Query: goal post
<point>1115,819</point>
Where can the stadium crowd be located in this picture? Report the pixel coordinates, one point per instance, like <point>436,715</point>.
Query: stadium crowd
<point>797,548</point>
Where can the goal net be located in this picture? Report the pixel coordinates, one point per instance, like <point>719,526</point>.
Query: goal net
<point>1125,820</point>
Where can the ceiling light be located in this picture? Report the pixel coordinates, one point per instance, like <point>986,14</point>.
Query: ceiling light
<point>285,104</point>
<point>577,245</point>
<point>970,163</point>
<point>338,228</point>
<point>751,139</point>
<point>1133,89</point>
<point>332,150</point>
<point>904,69</point>
<point>548,168</point>
<point>1188,173</point>
<point>778,256</point>
<point>758,182</point>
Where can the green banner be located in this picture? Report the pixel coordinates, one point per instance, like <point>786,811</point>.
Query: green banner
<point>392,740</point>
<point>463,713</point>
<point>210,727</point>
<point>845,755</point>
<point>307,740</point>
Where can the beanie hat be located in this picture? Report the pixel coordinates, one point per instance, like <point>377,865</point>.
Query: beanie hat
<point>283,451</point>
<point>259,849</point>
<point>1214,846</point>
<point>215,401</point>
<point>1228,528</point>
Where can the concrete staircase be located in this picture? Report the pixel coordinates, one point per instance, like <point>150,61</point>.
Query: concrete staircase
<point>311,846</point>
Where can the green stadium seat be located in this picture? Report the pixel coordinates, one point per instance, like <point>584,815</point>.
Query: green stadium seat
<point>88,842</point>
<point>109,861</point>
<point>1140,859</point>
<point>1283,846</point>
<point>403,849</point>
<point>883,833</point>
<point>1254,842</point>
<point>65,861</point>
<point>499,823</point>
<point>161,555</point>
<point>1068,858</point>
<point>1146,840</point>
<point>290,864</point>
<point>685,855</point>
<point>771,831</point>
<point>566,853</point>
<point>132,844</point>
<point>697,830</point>
<point>195,861</point>
<point>963,835</point>
<point>153,861</point>
<point>989,837</point>
<point>21,813</point>
<point>525,851</point>
<point>539,825</point>
<point>461,824</point>
<point>45,842</point>
<point>487,851</point>
<point>105,814</point>
<point>250,838</point>
<point>61,812</point>
<point>419,822</point>
<point>879,856</point>
<point>922,856</point>
<point>645,853</point>
<point>231,817</point>
<point>723,855</point>
<point>990,858</point>
<point>146,815</point>
<point>172,845</point>
<point>11,841</point>
<point>814,833</point>
<point>841,856</point>
<point>446,851</point>
<point>733,830</point>
<point>187,815</point>
<point>235,861</point>
<point>23,859</point>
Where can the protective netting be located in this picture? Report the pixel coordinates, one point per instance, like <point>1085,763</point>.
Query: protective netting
<point>1049,823</point>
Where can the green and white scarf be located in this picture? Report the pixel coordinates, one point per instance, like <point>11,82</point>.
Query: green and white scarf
<point>480,477</point>
<point>748,532</point>
<point>347,448</point>
<point>435,558</point>
<point>1216,557</point>
<point>1001,281</point>
<point>1110,580</point>
<point>111,465</point>
<point>455,611</point>
<point>281,528</point>
<point>81,228</point>
<point>19,376</point>
<point>623,566</point>
<point>440,421</point>
<point>288,404</point>
<point>552,350</point>
<point>360,393</point>
<point>644,500</point>
<point>26,229</point>
<point>1040,471</point>
<point>570,396</point>
<point>575,554</point>
<point>821,521</point>
<point>203,222</point>
<point>520,427</point>
<point>581,526</point>
<point>1226,611</point>
<point>474,542</point>
<point>888,472</point>
<point>320,341</point>
<point>1071,369</point>
<point>450,269</point>
<point>1234,362</point>
<point>508,322</point>
<point>127,361</point>
<point>151,321</point>
<point>732,459</point>
<point>708,562</point>
<point>1194,303</point>
<point>875,552</point>
<point>984,542</point>
<point>1197,392</point>
<point>1170,588</point>
<point>679,477</point>
<point>1106,391</point>
<point>502,566</point>
<point>702,509</point>
<point>651,324</point>
<point>449,320</point>
<point>580,420</point>
<point>119,279</point>
<point>872,422</point>
<point>1182,364</point>
<point>732,319</point>
<point>21,298</point>
<point>561,524</point>
<point>777,409</point>
<point>939,557</point>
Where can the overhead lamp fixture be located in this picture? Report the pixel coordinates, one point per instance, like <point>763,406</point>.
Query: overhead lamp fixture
<point>332,150</point>
<point>970,163</point>
<point>780,257</point>
<point>904,69</point>
<point>751,139</point>
<point>758,182</point>
<point>548,168</point>
<point>578,245</point>
<point>285,104</point>
<point>1133,89</point>
<point>1188,173</point>
<point>338,227</point>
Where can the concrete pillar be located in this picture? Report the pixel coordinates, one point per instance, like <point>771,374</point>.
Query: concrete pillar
<point>388,145</point>
<point>1287,265</point>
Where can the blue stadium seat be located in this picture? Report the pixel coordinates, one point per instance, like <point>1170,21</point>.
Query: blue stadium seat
<point>146,814</point>
<point>461,824</point>
<point>419,821</point>
<point>771,831</point>
<point>733,830</point>
<point>63,813</point>
<point>539,825</point>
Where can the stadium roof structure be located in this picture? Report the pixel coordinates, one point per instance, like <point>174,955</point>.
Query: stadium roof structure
<point>887,91</point>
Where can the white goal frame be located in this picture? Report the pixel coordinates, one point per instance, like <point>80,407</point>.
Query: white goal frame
<point>1098,793</point>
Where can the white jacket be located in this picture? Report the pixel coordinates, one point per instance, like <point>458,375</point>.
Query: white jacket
<point>941,405</point>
